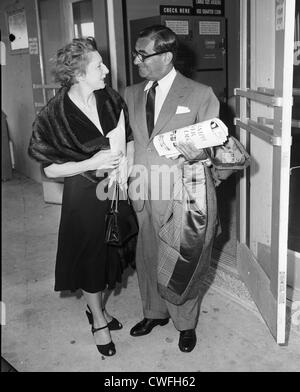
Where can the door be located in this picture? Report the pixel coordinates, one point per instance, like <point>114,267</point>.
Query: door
<point>264,113</point>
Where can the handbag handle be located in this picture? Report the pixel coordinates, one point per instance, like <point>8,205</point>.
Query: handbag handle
<point>115,198</point>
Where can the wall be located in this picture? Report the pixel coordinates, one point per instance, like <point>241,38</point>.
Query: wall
<point>17,95</point>
<point>51,33</point>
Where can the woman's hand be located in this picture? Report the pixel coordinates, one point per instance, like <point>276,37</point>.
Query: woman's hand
<point>105,160</point>
<point>120,174</point>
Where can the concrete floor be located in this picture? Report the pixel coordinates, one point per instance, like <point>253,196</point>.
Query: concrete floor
<point>48,331</point>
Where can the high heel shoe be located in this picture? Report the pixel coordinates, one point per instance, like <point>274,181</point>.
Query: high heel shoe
<point>108,349</point>
<point>113,325</point>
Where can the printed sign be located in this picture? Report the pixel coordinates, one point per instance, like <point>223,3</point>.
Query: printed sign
<point>209,7</point>
<point>33,46</point>
<point>180,27</point>
<point>280,15</point>
<point>175,10</point>
<point>209,28</point>
<point>297,53</point>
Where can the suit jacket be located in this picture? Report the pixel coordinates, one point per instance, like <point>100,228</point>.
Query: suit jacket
<point>201,104</point>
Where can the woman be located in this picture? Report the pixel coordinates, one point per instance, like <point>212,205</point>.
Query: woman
<point>69,139</point>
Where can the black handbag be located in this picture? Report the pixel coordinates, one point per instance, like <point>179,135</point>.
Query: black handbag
<point>120,221</point>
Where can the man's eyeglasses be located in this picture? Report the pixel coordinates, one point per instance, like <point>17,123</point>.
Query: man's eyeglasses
<point>142,57</point>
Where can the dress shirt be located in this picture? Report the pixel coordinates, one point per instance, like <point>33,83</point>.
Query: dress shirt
<point>162,91</point>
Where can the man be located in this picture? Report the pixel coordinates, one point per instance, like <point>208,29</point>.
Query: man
<point>177,102</point>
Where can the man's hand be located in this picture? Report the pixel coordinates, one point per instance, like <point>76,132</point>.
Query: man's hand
<point>190,152</point>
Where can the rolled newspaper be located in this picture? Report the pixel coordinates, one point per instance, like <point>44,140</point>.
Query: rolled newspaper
<point>205,134</point>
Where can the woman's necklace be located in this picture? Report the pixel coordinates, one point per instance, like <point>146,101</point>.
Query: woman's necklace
<point>85,106</point>
<point>90,110</point>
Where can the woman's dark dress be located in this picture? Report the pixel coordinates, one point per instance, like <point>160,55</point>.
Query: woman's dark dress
<point>83,260</point>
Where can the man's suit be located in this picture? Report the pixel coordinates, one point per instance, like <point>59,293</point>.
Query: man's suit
<point>187,102</point>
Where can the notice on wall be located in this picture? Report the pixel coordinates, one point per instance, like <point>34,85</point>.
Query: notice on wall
<point>209,28</point>
<point>210,44</point>
<point>180,27</point>
<point>297,53</point>
<point>280,15</point>
<point>209,7</point>
<point>17,28</point>
<point>33,46</point>
<point>176,10</point>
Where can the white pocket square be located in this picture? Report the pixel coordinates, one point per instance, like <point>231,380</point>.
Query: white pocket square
<point>182,110</point>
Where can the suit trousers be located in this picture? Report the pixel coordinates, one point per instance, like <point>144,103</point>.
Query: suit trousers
<point>184,316</point>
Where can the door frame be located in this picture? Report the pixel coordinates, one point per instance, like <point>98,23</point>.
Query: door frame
<point>267,287</point>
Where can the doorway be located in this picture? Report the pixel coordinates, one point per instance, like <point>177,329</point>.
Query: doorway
<point>83,18</point>
<point>264,120</point>
<point>63,20</point>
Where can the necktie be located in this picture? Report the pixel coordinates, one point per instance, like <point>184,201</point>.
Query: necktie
<point>150,106</point>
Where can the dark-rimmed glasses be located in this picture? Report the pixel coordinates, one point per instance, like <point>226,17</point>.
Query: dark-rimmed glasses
<point>142,57</point>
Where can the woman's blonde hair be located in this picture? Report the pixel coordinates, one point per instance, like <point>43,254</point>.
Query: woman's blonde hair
<point>72,60</point>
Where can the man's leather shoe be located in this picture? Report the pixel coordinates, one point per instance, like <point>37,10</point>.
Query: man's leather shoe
<point>146,325</point>
<point>187,340</point>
